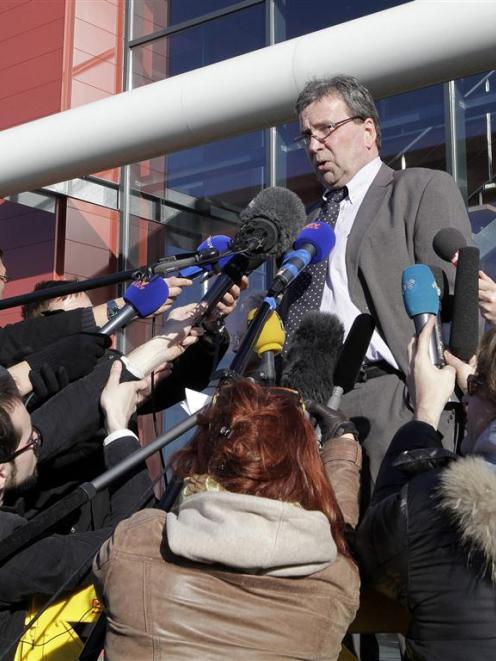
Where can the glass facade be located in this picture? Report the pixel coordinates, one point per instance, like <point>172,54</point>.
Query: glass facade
<point>171,203</point>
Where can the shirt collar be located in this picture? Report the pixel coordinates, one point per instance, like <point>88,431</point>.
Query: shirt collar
<point>359,184</point>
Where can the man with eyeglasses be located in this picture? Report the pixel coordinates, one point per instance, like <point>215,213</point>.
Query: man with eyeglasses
<point>384,220</point>
<point>56,560</point>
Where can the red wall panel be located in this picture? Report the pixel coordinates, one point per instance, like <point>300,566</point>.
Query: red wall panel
<point>31,58</point>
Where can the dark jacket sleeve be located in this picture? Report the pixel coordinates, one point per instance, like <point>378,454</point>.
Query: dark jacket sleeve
<point>73,414</point>
<point>413,435</point>
<point>381,541</point>
<point>191,370</point>
<point>134,489</point>
<point>25,337</point>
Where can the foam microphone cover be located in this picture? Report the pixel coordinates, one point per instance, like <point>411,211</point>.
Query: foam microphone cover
<point>353,352</point>
<point>321,236</point>
<point>445,298</point>
<point>420,292</point>
<point>312,355</point>
<point>274,218</point>
<point>448,242</point>
<point>464,337</point>
<point>221,243</point>
<point>272,336</point>
<point>147,297</point>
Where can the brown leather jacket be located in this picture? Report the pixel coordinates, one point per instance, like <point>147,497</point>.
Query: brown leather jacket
<point>161,605</point>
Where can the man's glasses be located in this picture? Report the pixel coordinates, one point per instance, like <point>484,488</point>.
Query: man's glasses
<point>324,132</point>
<point>34,443</point>
<point>473,384</point>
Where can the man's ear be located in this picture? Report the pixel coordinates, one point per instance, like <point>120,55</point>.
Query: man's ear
<point>370,133</point>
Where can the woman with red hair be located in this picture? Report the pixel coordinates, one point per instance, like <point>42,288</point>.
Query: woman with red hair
<point>252,562</point>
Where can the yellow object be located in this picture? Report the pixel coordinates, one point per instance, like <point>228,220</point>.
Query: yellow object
<point>52,635</point>
<point>272,335</point>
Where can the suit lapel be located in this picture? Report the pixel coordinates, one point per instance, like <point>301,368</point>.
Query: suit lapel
<point>366,217</point>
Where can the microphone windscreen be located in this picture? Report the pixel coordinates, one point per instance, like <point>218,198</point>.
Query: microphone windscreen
<point>272,336</point>
<point>321,236</point>
<point>353,352</point>
<point>464,337</point>
<point>448,242</point>
<point>420,293</point>
<point>274,217</point>
<point>147,297</point>
<point>221,243</point>
<point>445,298</point>
<point>312,355</point>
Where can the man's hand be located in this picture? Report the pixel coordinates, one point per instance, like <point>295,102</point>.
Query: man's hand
<point>119,400</point>
<point>429,387</point>
<point>226,305</point>
<point>487,297</point>
<point>463,370</point>
<point>179,331</point>
<point>175,285</point>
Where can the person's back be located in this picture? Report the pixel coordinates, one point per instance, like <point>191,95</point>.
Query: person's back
<point>233,575</point>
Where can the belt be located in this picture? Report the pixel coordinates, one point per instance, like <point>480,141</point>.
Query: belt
<point>379,368</point>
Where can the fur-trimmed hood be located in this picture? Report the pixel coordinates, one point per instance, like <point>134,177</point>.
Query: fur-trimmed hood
<point>467,493</point>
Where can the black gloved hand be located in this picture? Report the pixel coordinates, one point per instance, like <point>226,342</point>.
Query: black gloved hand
<point>332,423</point>
<point>77,354</point>
<point>46,381</point>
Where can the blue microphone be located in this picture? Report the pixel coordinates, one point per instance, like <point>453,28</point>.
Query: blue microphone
<point>219,242</point>
<point>142,299</point>
<point>421,299</point>
<point>312,245</point>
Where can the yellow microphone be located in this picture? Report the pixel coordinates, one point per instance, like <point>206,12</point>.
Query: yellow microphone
<point>270,342</point>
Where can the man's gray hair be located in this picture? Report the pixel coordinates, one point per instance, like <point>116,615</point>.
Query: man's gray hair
<point>356,96</point>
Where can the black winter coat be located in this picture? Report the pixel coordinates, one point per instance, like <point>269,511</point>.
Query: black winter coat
<point>46,565</point>
<point>429,541</point>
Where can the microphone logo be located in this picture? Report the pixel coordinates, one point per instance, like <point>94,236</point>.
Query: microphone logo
<point>139,284</point>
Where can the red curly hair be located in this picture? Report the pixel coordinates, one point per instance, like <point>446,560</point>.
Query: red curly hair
<point>256,440</point>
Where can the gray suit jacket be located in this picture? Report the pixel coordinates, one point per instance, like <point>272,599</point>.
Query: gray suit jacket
<point>400,214</point>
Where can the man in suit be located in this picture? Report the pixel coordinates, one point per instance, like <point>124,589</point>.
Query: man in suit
<point>384,220</point>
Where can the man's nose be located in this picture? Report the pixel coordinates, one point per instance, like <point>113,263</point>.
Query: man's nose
<point>314,145</point>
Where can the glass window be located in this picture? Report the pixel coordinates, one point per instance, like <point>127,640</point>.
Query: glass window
<point>303,16</point>
<point>413,129</point>
<point>199,46</point>
<point>227,172</point>
<point>153,15</point>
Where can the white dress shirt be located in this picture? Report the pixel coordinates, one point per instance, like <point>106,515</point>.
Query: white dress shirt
<point>335,297</point>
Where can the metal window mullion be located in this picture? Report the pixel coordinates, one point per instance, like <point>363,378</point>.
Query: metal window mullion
<point>193,22</point>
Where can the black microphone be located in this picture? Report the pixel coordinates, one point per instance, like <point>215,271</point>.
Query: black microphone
<point>464,337</point>
<point>270,224</point>
<point>351,358</point>
<point>447,244</point>
<point>312,354</point>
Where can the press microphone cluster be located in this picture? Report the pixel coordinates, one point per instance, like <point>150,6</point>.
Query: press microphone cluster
<point>142,299</point>
<point>269,225</point>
